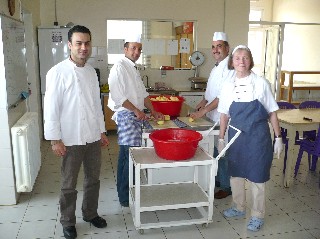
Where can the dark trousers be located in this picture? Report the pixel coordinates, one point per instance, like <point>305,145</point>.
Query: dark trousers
<point>123,174</point>
<point>90,156</point>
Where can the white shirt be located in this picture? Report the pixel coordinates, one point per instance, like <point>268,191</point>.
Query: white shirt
<point>125,83</point>
<point>72,104</point>
<point>247,89</point>
<point>218,76</point>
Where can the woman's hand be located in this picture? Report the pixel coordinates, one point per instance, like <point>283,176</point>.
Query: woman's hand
<point>278,146</point>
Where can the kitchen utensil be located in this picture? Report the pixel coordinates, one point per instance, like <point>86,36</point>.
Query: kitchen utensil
<point>196,122</point>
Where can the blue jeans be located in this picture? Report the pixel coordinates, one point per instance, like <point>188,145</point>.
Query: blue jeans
<point>123,174</point>
<point>222,175</point>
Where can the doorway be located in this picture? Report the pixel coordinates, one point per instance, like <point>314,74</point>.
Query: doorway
<point>264,40</point>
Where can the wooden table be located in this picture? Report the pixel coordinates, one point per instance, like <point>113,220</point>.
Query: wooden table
<point>293,121</point>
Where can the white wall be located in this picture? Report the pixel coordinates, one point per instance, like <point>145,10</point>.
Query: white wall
<point>301,42</point>
<point>210,15</point>
<point>8,117</point>
<point>301,48</point>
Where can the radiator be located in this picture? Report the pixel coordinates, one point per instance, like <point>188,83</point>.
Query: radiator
<point>26,151</point>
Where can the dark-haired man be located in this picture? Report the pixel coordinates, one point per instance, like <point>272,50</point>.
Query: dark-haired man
<point>74,122</point>
<point>208,106</point>
<point>128,97</point>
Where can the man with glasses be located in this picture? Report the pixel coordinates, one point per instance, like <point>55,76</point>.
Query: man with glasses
<point>208,106</point>
<point>128,97</point>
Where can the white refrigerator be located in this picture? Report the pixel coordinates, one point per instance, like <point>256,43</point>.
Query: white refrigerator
<point>53,48</point>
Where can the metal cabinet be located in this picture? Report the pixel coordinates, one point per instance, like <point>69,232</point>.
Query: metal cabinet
<point>145,197</point>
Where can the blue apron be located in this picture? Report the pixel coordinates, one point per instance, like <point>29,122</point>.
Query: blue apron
<point>251,154</point>
<point>129,129</point>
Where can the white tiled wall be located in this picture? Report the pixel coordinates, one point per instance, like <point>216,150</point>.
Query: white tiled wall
<point>8,195</point>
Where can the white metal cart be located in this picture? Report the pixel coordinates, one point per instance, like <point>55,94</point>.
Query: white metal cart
<point>150,197</point>
<point>157,197</point>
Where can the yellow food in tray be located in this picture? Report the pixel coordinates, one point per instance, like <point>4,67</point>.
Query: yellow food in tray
<point>191,119</point>
<point>160,122</point>
<point>174,98</point>
<point>166,117</point>
<point>164,98</point>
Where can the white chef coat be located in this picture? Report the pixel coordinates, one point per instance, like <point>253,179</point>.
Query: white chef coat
<point>247,89</point>
<point>72,104</point>
<point>218,76</point>
<point>125,83</point>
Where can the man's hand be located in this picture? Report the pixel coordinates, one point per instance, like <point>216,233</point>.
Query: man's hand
<point>104,140</point>
<point>198,114</point>
<point>58,148</point>
<point>157,115</point>
<point>140,115</point>
<point>221,146</point>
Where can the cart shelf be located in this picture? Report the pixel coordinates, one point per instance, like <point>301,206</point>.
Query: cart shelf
<point>169,196</point>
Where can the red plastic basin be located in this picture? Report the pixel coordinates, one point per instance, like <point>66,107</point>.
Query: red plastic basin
<point>175,144</point>
<point>171,108</point>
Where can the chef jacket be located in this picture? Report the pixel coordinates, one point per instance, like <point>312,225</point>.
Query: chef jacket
<point>125,84</point>
<point>72,104</point>
<point>218,76</point>
<point>247,89</point>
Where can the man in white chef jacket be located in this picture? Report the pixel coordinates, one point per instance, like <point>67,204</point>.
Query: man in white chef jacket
<point>208,106</point>
<point>127,98</point>
<point>74,122</point>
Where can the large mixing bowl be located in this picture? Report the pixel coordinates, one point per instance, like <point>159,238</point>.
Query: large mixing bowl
<point>175,144</point>
<point>170,107</point>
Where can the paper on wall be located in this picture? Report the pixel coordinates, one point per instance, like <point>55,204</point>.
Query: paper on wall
<point>172,47</point>
<point>184,45</point>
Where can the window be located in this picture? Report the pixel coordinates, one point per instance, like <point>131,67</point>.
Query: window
<point>119,29</point>
<point>165,42</point>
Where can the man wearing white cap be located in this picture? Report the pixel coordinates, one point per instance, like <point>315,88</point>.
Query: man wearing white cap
<point>128,97</point>
<point>208,106</point>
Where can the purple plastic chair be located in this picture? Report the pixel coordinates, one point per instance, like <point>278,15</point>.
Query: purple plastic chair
<point>286,105</point>
<point>309,105</point>
<point>312,147</point>
<point>308,134</point>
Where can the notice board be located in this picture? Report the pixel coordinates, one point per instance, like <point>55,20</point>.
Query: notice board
<point>13,50</point>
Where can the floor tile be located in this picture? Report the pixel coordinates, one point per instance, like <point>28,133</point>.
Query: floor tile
<point>37,229</point>
<point>183,232</point>
<point>36,213</point>
<point>9,230</point>
<point>218,229</point>
<point>291,213</point>
<point>12,214</point>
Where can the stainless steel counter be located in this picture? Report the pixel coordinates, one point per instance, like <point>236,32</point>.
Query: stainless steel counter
<point>185,111</point>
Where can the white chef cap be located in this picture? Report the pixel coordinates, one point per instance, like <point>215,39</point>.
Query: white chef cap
<point>220,36</point>
<point>133,38</point>
<point>240,47</point>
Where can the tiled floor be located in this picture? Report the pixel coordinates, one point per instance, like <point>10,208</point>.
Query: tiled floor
<point>292,213</point>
